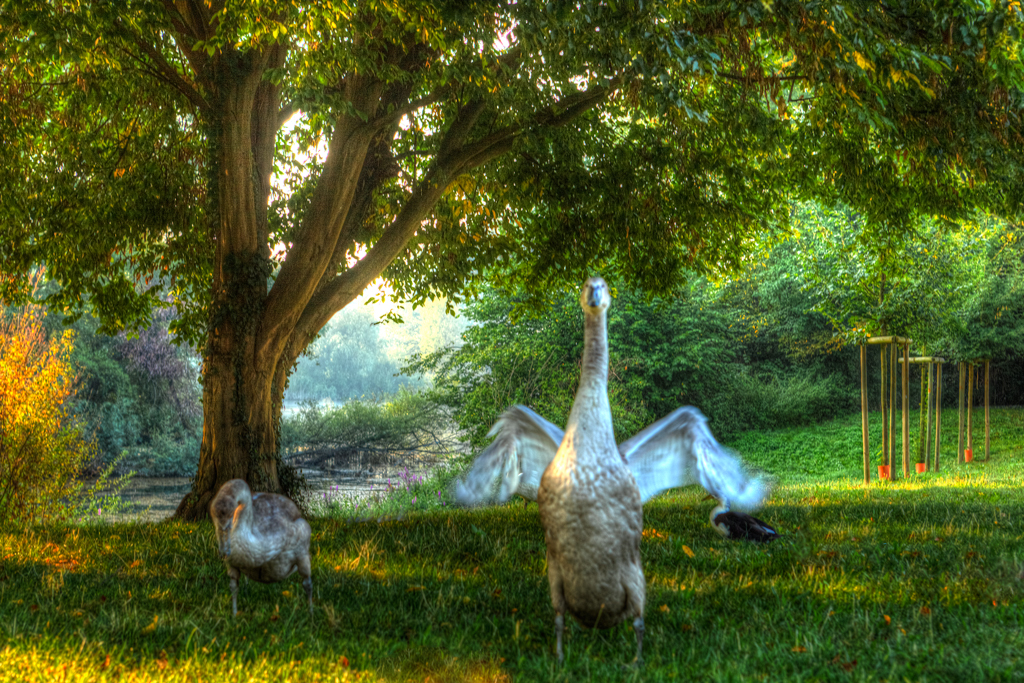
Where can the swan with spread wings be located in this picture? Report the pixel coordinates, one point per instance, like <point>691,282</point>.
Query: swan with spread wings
<point>677,450</point>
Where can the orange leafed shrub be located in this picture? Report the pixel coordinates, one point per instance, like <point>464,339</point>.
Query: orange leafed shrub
<point>42,449</point>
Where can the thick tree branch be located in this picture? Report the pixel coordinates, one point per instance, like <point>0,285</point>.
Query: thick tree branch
<point>287,110</point>
<point>334,293</point>
<point>165,71</point>
<point>265,124</point>
<point>344,288</point>
<point>196,16</point>
<point>331,201</point>
<point>193,21</point>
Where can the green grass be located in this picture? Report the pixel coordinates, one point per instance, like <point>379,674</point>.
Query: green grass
<point>909,580</point>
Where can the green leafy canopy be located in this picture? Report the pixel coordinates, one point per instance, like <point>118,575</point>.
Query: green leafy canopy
<point>530,142</point>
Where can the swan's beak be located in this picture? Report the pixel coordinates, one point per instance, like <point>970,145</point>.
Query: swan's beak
<point>238,512</point>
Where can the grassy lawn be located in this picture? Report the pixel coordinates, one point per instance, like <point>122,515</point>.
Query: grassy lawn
<point>911,580</point>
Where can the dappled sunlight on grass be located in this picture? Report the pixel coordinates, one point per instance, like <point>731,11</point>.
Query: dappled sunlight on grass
<point>895,580</point>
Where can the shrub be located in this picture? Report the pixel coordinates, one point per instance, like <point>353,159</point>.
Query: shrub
<point>769,401</point>
<point>42,450</point>
<point>406,423</point>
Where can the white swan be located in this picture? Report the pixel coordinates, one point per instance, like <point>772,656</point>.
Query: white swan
<point>589,501</point>
<point>261,535</point>
<point>677,450</point>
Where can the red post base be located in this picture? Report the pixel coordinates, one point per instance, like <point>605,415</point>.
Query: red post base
<point>921,467</point>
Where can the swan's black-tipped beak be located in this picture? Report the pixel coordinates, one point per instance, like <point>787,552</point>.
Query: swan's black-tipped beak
<point>595,294</point>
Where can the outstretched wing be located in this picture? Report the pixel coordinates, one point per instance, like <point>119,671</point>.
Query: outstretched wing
<point>679,449</point>
<point>523,446</point>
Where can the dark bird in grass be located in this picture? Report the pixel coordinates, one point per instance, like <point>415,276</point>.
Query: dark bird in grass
<point>260,535</point>
<point>739,525</point>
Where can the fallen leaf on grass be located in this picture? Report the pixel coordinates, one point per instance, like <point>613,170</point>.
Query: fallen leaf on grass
<point>925,611</point>
<point>887,619</point>
<point>686,549</point>
<point>664,608</point>
<point>799,648</point>
<point>343,661</point>
<point>152,626</point>
<point>410,589</point>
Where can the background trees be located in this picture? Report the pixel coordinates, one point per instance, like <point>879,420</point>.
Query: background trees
<point>444,143</point>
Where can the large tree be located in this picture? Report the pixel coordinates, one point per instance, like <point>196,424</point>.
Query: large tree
<point>264,161</point>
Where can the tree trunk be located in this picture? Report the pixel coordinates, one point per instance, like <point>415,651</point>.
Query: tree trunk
<point>240,415</point>
<point>240,428</point>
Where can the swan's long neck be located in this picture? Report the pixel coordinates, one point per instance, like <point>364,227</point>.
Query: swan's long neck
<point>590,420</point>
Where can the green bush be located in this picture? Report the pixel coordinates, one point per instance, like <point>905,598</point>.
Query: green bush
<point>407,423</point>
<point>767,401</point>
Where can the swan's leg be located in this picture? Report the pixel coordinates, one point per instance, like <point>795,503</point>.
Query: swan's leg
<point>233,575</point>
<point>306,572</point>
<point>557,601</point>
<point>638,626</point>
<point>636,594</point>
<point>559,627</point>
<point>307,583</point>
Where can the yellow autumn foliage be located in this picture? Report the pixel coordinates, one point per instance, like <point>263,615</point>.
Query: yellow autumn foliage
<point>42,449</point>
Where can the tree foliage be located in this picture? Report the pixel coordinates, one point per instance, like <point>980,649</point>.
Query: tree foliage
<point>139,396</point>
<point>681,125</point>
<point>733,354</point>
<point>441,143</point>
<point>955,289</point>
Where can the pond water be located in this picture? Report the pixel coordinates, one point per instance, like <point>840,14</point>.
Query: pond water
<point>152,499</point>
